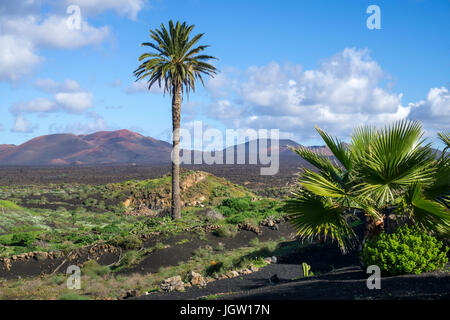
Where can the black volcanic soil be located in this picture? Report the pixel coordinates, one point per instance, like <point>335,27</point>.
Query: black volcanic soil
<point>337,277</point>
<point>176,253</point>
<point>32,267</point>
<point>246,175</point>
<point>170,256</point>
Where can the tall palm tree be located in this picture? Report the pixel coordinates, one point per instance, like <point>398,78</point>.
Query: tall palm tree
<point>377,170</point>
<point>176,63</point>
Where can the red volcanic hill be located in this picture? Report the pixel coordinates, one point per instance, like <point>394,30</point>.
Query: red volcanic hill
<point>105,147</point>
<point>287,156</point>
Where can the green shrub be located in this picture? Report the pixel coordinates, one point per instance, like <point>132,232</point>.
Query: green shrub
<point>220,191</point>
<point>92,269</point>
<point>90,202</point>
<point>129,259</point>
<point>226,231</point>
<point>83,238</point>
<point>239,210</point>
<point>408,250</point>
<point>231,206</point>
<point>128,242</point>
<point>110,228</point>
<point>242,217</point>
<point>72,296</point>
<point>9,205</point>
<point>23,239</point>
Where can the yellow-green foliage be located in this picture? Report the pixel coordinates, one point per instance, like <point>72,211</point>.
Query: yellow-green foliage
<point>5,204</point>
<point>213,189</point>
<point>408,250</point>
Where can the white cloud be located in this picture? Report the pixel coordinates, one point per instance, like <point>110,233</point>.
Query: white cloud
<point>344,92</point>
<point>51,86</point>
<point>28,26</point>
<point>53,31</point>
<point>68,97</point>
<point>37,105</point>
<point>434,111</point>
<point>142,86</point>
<point>74,101</point>
<point>190,110</point>
<point>223,109</point>
<point>129,8</point>
<point>21,125</point>
<point>20,7</point>
<point>224,83</point>
<point>17,57</point>
<point>98,123</point>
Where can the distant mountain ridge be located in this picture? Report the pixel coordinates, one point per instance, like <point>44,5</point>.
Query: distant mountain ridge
<point>111,147</point>
<point>104,147</point>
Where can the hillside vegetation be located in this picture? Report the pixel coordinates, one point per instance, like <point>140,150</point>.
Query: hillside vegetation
<point>68,216</point>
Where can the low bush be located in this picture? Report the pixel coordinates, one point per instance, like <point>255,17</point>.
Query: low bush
<point>72,296</point>
<point>83,238</point>
<point>226,231</point>
<point>232,206</point>
<point>92,269</point>
<point>128,242</point>
<point>240,210</point>
<point>23,239</point>
<point>129,259</point>
<point>407,251</point>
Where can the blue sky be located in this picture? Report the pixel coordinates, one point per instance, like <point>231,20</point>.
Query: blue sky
<point>287,65</point>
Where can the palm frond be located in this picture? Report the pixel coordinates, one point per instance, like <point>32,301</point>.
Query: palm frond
<point>338,148</point>
<point>445,138</point>
<point>314,216</point>
<point>429,214</point>
<point>175,61</point>
<point>395,159</point>
<point>319,161</point>
<point>321,186</point>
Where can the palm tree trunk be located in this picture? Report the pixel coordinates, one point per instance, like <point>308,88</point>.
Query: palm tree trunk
<point>373,227</point>
<point>176,117</point>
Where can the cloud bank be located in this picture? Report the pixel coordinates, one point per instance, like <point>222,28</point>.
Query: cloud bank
<point>345,91</point>
<point>25,29</point>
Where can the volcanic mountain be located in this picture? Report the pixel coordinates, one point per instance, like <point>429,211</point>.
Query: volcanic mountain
<point>251,152</point>
<point>104,147</point>
<point>120,147</point>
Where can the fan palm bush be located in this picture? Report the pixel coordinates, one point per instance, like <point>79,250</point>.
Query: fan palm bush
<point>379,169</point>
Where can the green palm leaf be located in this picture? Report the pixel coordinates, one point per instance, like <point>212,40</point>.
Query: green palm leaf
<point>175,61</point>
<point>319,161</point>
<point>314,216</point>
<point>429,214</point>
<point>395,160</point>
<point>338,148</point>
